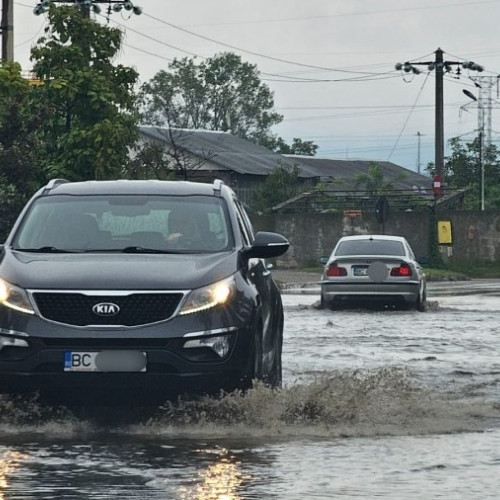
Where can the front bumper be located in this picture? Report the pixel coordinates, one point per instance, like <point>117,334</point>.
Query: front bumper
<point>169,368</point>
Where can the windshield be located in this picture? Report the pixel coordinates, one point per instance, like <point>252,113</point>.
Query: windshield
<point>174,224</point>
<point>370,247</point>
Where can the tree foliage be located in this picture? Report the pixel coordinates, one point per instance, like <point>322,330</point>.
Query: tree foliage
<point>281,185</point>
<point>462,169</point>
<point>90,122</point>
<point>373,181</point>
<point>298,147</point>
<point>20,152</point>
<point>220,93</point>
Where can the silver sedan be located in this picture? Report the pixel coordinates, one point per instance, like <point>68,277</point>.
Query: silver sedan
<point>373,269</point>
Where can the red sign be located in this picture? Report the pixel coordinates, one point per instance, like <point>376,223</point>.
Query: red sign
<point>437,184</point>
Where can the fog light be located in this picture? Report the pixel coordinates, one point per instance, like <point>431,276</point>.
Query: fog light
<point>12,342</point>
<point>220,345</point>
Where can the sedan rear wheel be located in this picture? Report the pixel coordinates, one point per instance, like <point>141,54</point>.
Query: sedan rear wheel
<point>422,300</point>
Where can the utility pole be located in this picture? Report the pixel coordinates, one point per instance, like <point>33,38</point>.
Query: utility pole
<point>7,30</point>
<point>441,67</point>
<point>484,107</point>
<point>418,151</point>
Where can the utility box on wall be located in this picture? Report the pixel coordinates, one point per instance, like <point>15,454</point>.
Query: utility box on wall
<point>444,232</point>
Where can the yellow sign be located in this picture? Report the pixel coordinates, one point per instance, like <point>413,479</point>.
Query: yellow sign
<point>444,232</point>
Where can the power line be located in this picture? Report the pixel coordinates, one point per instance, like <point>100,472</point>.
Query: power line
<point>234,47</point>
<point>409,115</point>
<point>349,14</point>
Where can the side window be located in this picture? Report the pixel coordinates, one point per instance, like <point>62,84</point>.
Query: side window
<point>246,232</point>
<point>246,220</point>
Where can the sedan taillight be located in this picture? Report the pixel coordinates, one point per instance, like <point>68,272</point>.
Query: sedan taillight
<point>334,270</point>
<point>402,270</point>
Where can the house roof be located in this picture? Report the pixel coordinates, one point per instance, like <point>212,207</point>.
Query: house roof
<point>229,152</point>
<point>226,150</point>
<point>330,170</point>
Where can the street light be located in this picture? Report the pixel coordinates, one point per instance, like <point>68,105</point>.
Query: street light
<point>470,95</point>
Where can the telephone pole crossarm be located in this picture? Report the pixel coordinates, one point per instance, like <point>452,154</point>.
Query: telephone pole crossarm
<point>440,66</point>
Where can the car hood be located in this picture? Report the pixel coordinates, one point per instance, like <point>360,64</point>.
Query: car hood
<point>94,271</point>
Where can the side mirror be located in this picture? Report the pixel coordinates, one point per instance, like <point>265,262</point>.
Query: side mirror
<point>267,245</point>
<point>323,260</point>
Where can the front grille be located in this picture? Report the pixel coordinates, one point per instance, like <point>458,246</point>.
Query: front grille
<point>135,309</point>
<point>99,343</point>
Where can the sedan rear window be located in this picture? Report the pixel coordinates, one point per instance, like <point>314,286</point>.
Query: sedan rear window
<point>370,247</point>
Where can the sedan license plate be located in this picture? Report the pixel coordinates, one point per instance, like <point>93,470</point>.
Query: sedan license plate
<point>105,361</point>
<point>360,271</point>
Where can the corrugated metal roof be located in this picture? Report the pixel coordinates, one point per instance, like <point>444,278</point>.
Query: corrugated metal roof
<point>330,169</point>
<point>226,150</point>
<point>245,157</point>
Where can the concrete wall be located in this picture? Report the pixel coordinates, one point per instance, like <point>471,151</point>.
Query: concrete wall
<point>475,235</point>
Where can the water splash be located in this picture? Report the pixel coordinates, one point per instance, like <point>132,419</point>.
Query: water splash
<point>345,404</point>
<point>358,403</point>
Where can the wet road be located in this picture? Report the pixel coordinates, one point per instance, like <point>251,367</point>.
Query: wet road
<point>388,404</point>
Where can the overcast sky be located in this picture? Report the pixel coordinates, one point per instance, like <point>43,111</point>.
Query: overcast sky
<point>330,63</point>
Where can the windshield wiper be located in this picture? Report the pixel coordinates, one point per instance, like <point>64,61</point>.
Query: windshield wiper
<point>46,249</point>
<point>132,249</point>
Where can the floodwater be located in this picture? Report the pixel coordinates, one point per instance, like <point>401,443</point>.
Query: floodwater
<point>375,404</point>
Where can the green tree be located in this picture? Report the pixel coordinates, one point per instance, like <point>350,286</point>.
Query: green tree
<point>298,147</point>
<point>221,93</point>
<point>281,185</point>
<point>91,122</point>
<point>462,169</point>
<point>20,152</point>
<point>373,181</point>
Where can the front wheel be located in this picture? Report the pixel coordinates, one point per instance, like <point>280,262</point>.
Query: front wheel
<point>275,377</point>
<point>254,365</point>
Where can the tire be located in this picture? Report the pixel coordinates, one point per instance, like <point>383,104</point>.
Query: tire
<point>327,304</point>
<point>254,366</point>
<point>274,378</point>
<point>422,300</point>
<point>323,302</point>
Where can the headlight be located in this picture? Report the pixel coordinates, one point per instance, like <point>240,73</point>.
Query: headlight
<point>209,296</point>
<point>14,297</point>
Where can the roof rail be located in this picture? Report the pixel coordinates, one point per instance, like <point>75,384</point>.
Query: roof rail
<point>55,182</point>
<point>218,183</point>
<point>52,184</point>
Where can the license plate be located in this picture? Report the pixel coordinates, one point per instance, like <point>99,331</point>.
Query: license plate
<point>105,361</point>
<point>360,271</point>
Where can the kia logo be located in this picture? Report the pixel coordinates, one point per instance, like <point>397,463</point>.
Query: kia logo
<point>106,309</point>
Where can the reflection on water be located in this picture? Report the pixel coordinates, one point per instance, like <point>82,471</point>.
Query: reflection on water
<point>9,462</point>
<point>221,480</point>
<point>394,404</point>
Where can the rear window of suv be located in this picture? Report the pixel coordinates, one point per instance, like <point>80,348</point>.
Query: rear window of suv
<point>370,247</point>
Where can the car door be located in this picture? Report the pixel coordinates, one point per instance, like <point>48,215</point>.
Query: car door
<point>260,276</point>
